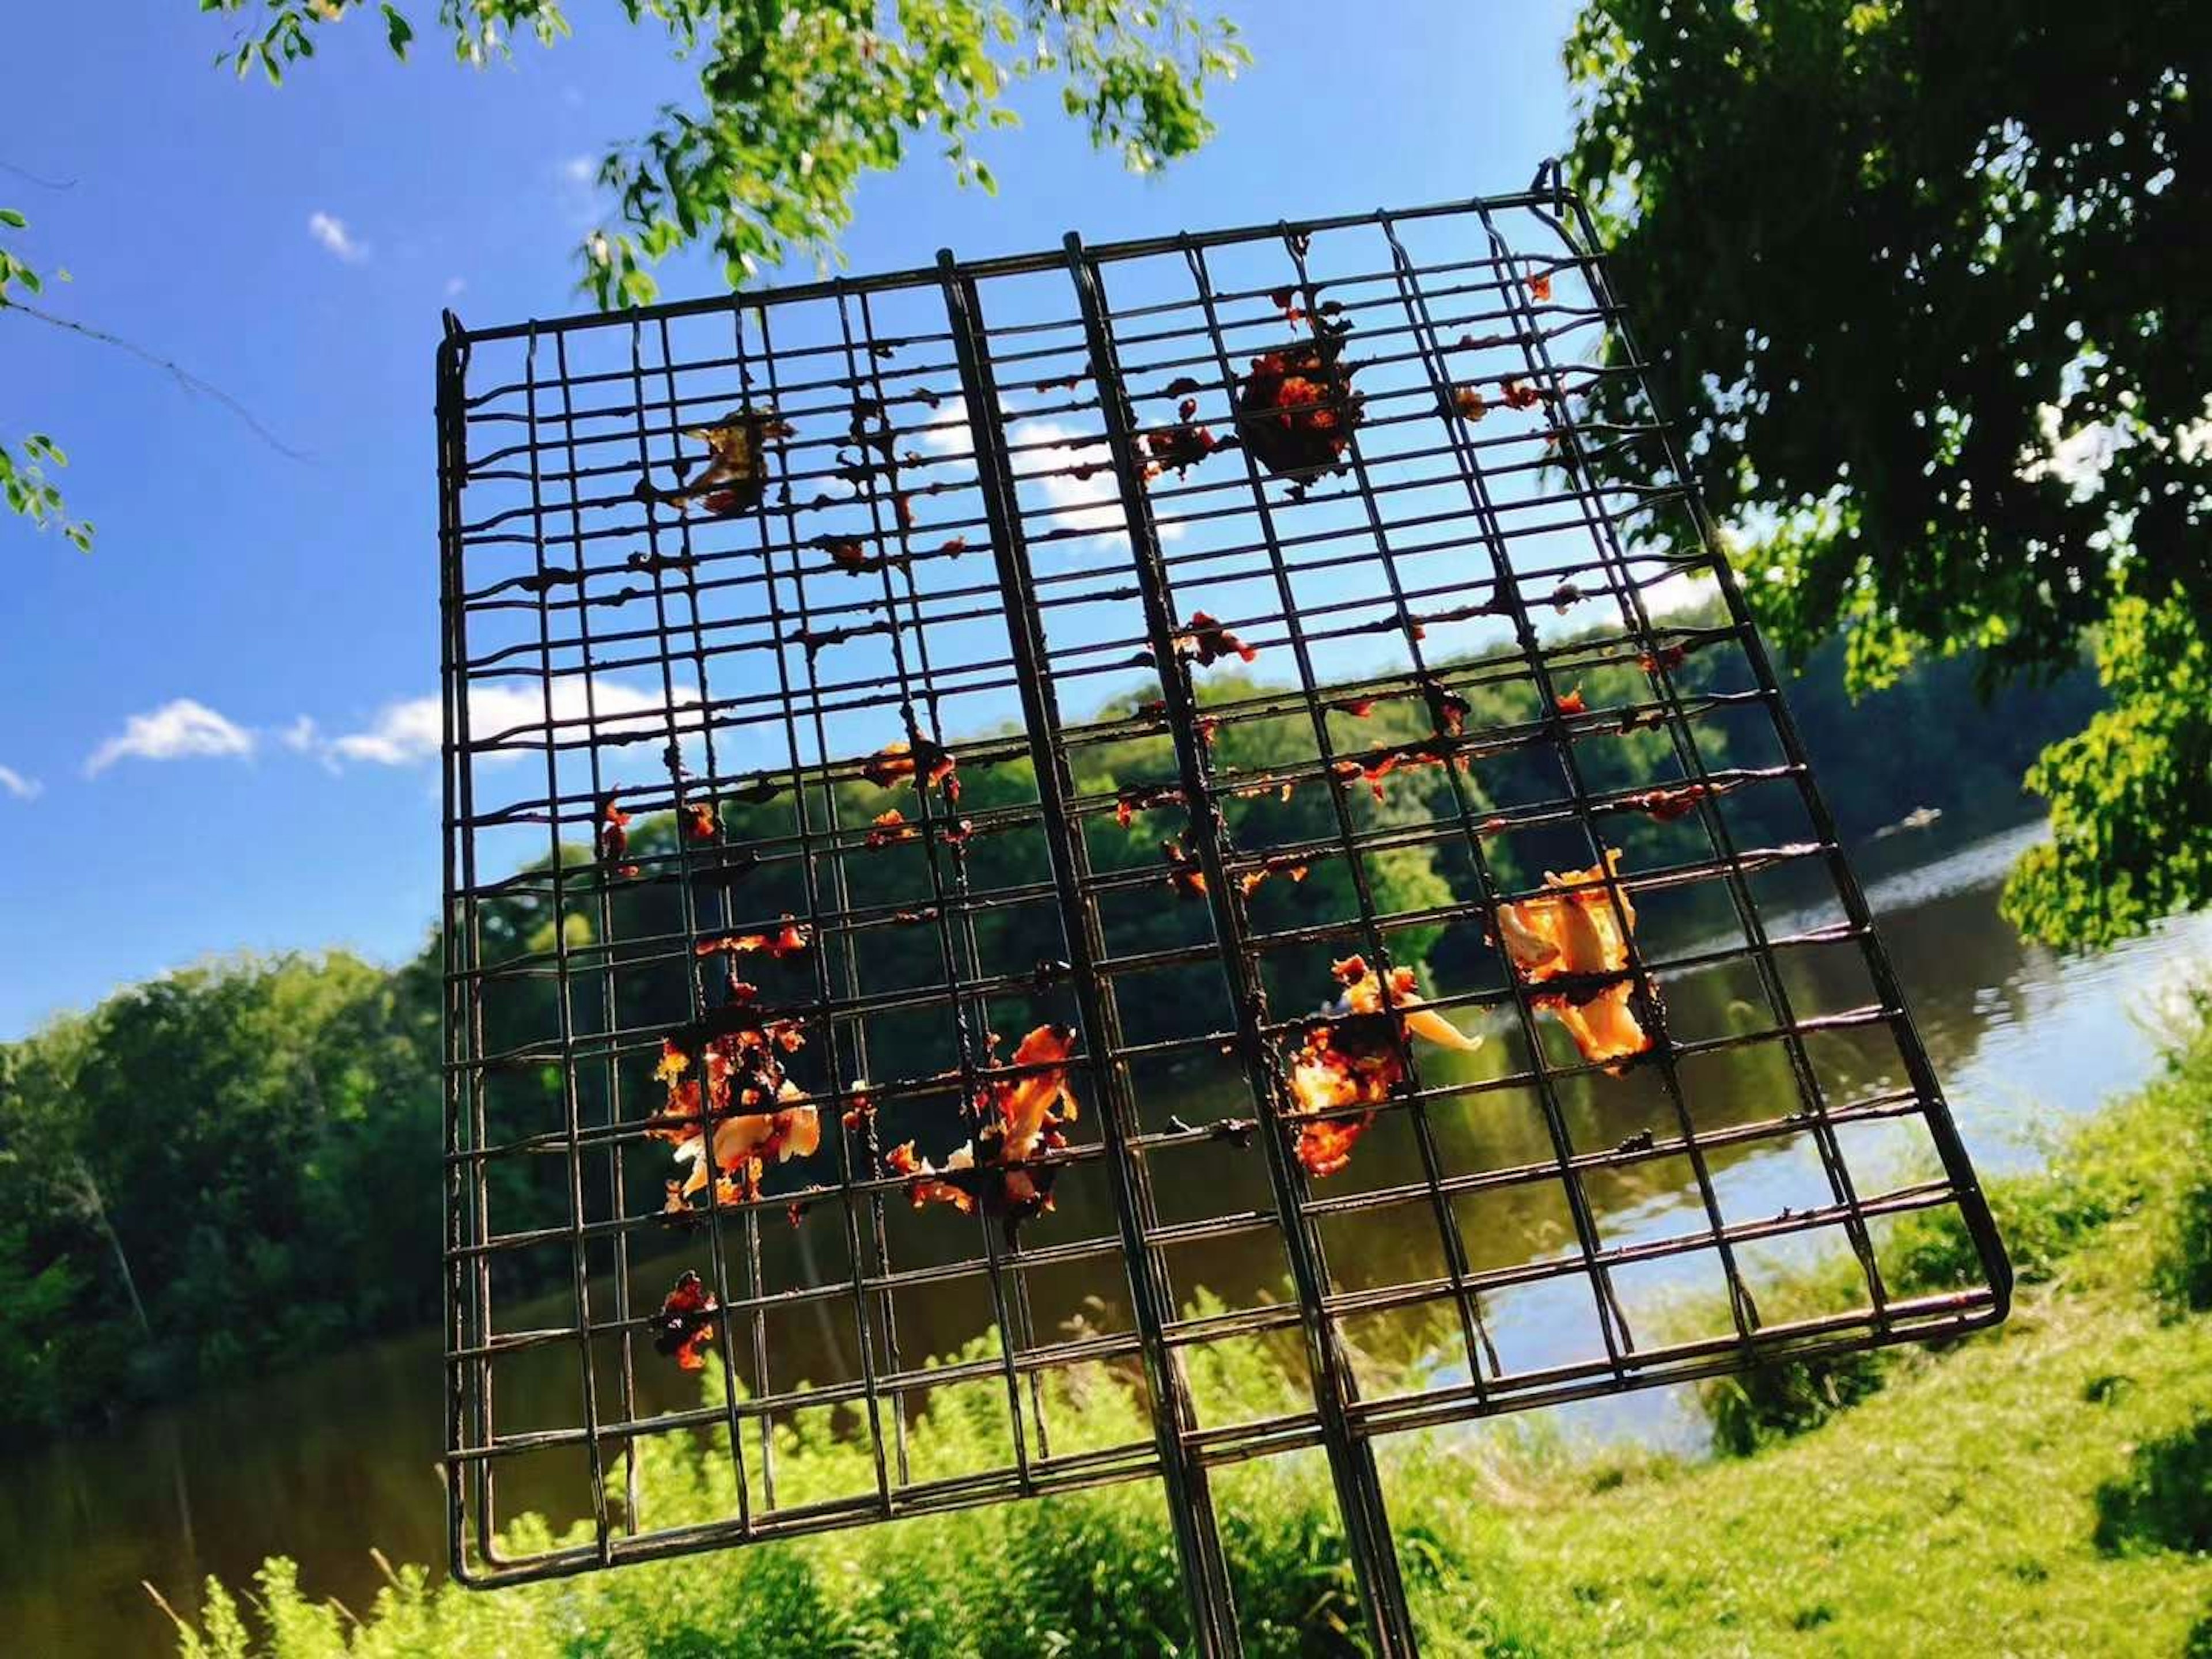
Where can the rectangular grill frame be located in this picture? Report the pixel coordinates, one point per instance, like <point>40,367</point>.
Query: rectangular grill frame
<point>1184,1452</point>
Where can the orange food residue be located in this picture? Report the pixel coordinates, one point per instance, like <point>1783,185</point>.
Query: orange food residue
<point>922,762</point>
<point>1022,1108</point>
<point>786,941</point>
<point>685,1323</point>
<point>1353,1058</point>
<point>1571,929</point>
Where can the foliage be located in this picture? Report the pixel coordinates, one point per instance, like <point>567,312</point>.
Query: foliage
<point>2131,794</point>
<point>1922,278</point>
<point>298,1099</point>
<point>798,100</point>
<point>23,482</point>
<point>258,1139</point>
<point>2040,1490</point>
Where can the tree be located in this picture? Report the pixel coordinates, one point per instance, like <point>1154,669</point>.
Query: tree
<point>797,100</point>
<point>1925,282</point>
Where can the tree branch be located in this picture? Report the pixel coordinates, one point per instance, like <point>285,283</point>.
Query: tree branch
<point>42,182</point>
<point>183,377</point>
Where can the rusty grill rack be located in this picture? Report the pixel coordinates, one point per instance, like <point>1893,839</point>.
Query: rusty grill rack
<point>965,535</point>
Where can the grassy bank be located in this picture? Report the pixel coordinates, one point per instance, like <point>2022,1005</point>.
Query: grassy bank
<point>2046,1489</point>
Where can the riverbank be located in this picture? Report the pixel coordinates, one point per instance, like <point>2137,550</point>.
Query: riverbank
<point>2044,1489</point>
<point>316,1464</point>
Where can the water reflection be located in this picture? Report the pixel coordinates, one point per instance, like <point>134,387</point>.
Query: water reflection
<point>321,1463</point>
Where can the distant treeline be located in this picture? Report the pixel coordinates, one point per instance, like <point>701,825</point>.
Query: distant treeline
<point>234,1168</point>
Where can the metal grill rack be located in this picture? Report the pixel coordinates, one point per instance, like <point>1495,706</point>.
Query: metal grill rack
<point>985,518</point>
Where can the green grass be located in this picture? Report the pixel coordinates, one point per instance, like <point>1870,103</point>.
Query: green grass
<point>1974,1507</point>
<point>2046,1489</point>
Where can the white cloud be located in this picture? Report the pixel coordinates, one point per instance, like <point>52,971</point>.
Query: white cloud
<point>401,734</point>
<point>20,787</point>
<point>1047,457</point>
<point>579,169</point>
<point>454,285</point>
<point>181,730</point>
<point>331,232</point>
<point>412,730</point>
<point>300,735</point>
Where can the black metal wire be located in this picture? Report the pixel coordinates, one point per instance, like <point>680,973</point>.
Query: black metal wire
<point>770,642</point>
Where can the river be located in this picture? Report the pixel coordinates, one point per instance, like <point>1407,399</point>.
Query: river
<point>322,1463</point>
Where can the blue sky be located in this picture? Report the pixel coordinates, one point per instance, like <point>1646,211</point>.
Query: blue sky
<point>294,246</point>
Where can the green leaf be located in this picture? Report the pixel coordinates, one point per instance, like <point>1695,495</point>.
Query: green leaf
<point>398,31</point>
<point>1884,257</point>
<point>10,217</point>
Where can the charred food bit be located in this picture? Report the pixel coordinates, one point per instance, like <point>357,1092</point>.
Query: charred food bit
<point>860,1112</point>
<point>1183,446</point>
<point>759,1114</point>
<point>1519,394</point>
<point>1293,870</point>
<point>1183,873</point>
<point>1377,764</point>
<point>1572,930</point>
<point>849,556</point>
<point>1570,702</point>
<point>1469,405</point>
<point>922,763</point>
<point>1352,1057</point>
<point>1540,286</point>
<point>1448,710</point>
<point>614,839</point>
<point>734,474</point>
<point>1130,802</point>
<point>685,1323</point>
<point>1205,641</point>
<point>889,828</point>
<point>699,820</point>
<point>1669,657</point>
<point>1668,805</point>
<point>788,940</point>
<point>1295,409</point>
<point>1022,1109</point>
<point>1363,994</point>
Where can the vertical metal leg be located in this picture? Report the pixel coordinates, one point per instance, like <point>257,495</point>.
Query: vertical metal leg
<point>1189,1495</point>
<point>1350,1458</point>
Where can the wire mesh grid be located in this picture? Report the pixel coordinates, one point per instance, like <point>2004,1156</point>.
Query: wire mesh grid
<point>838,676</point>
